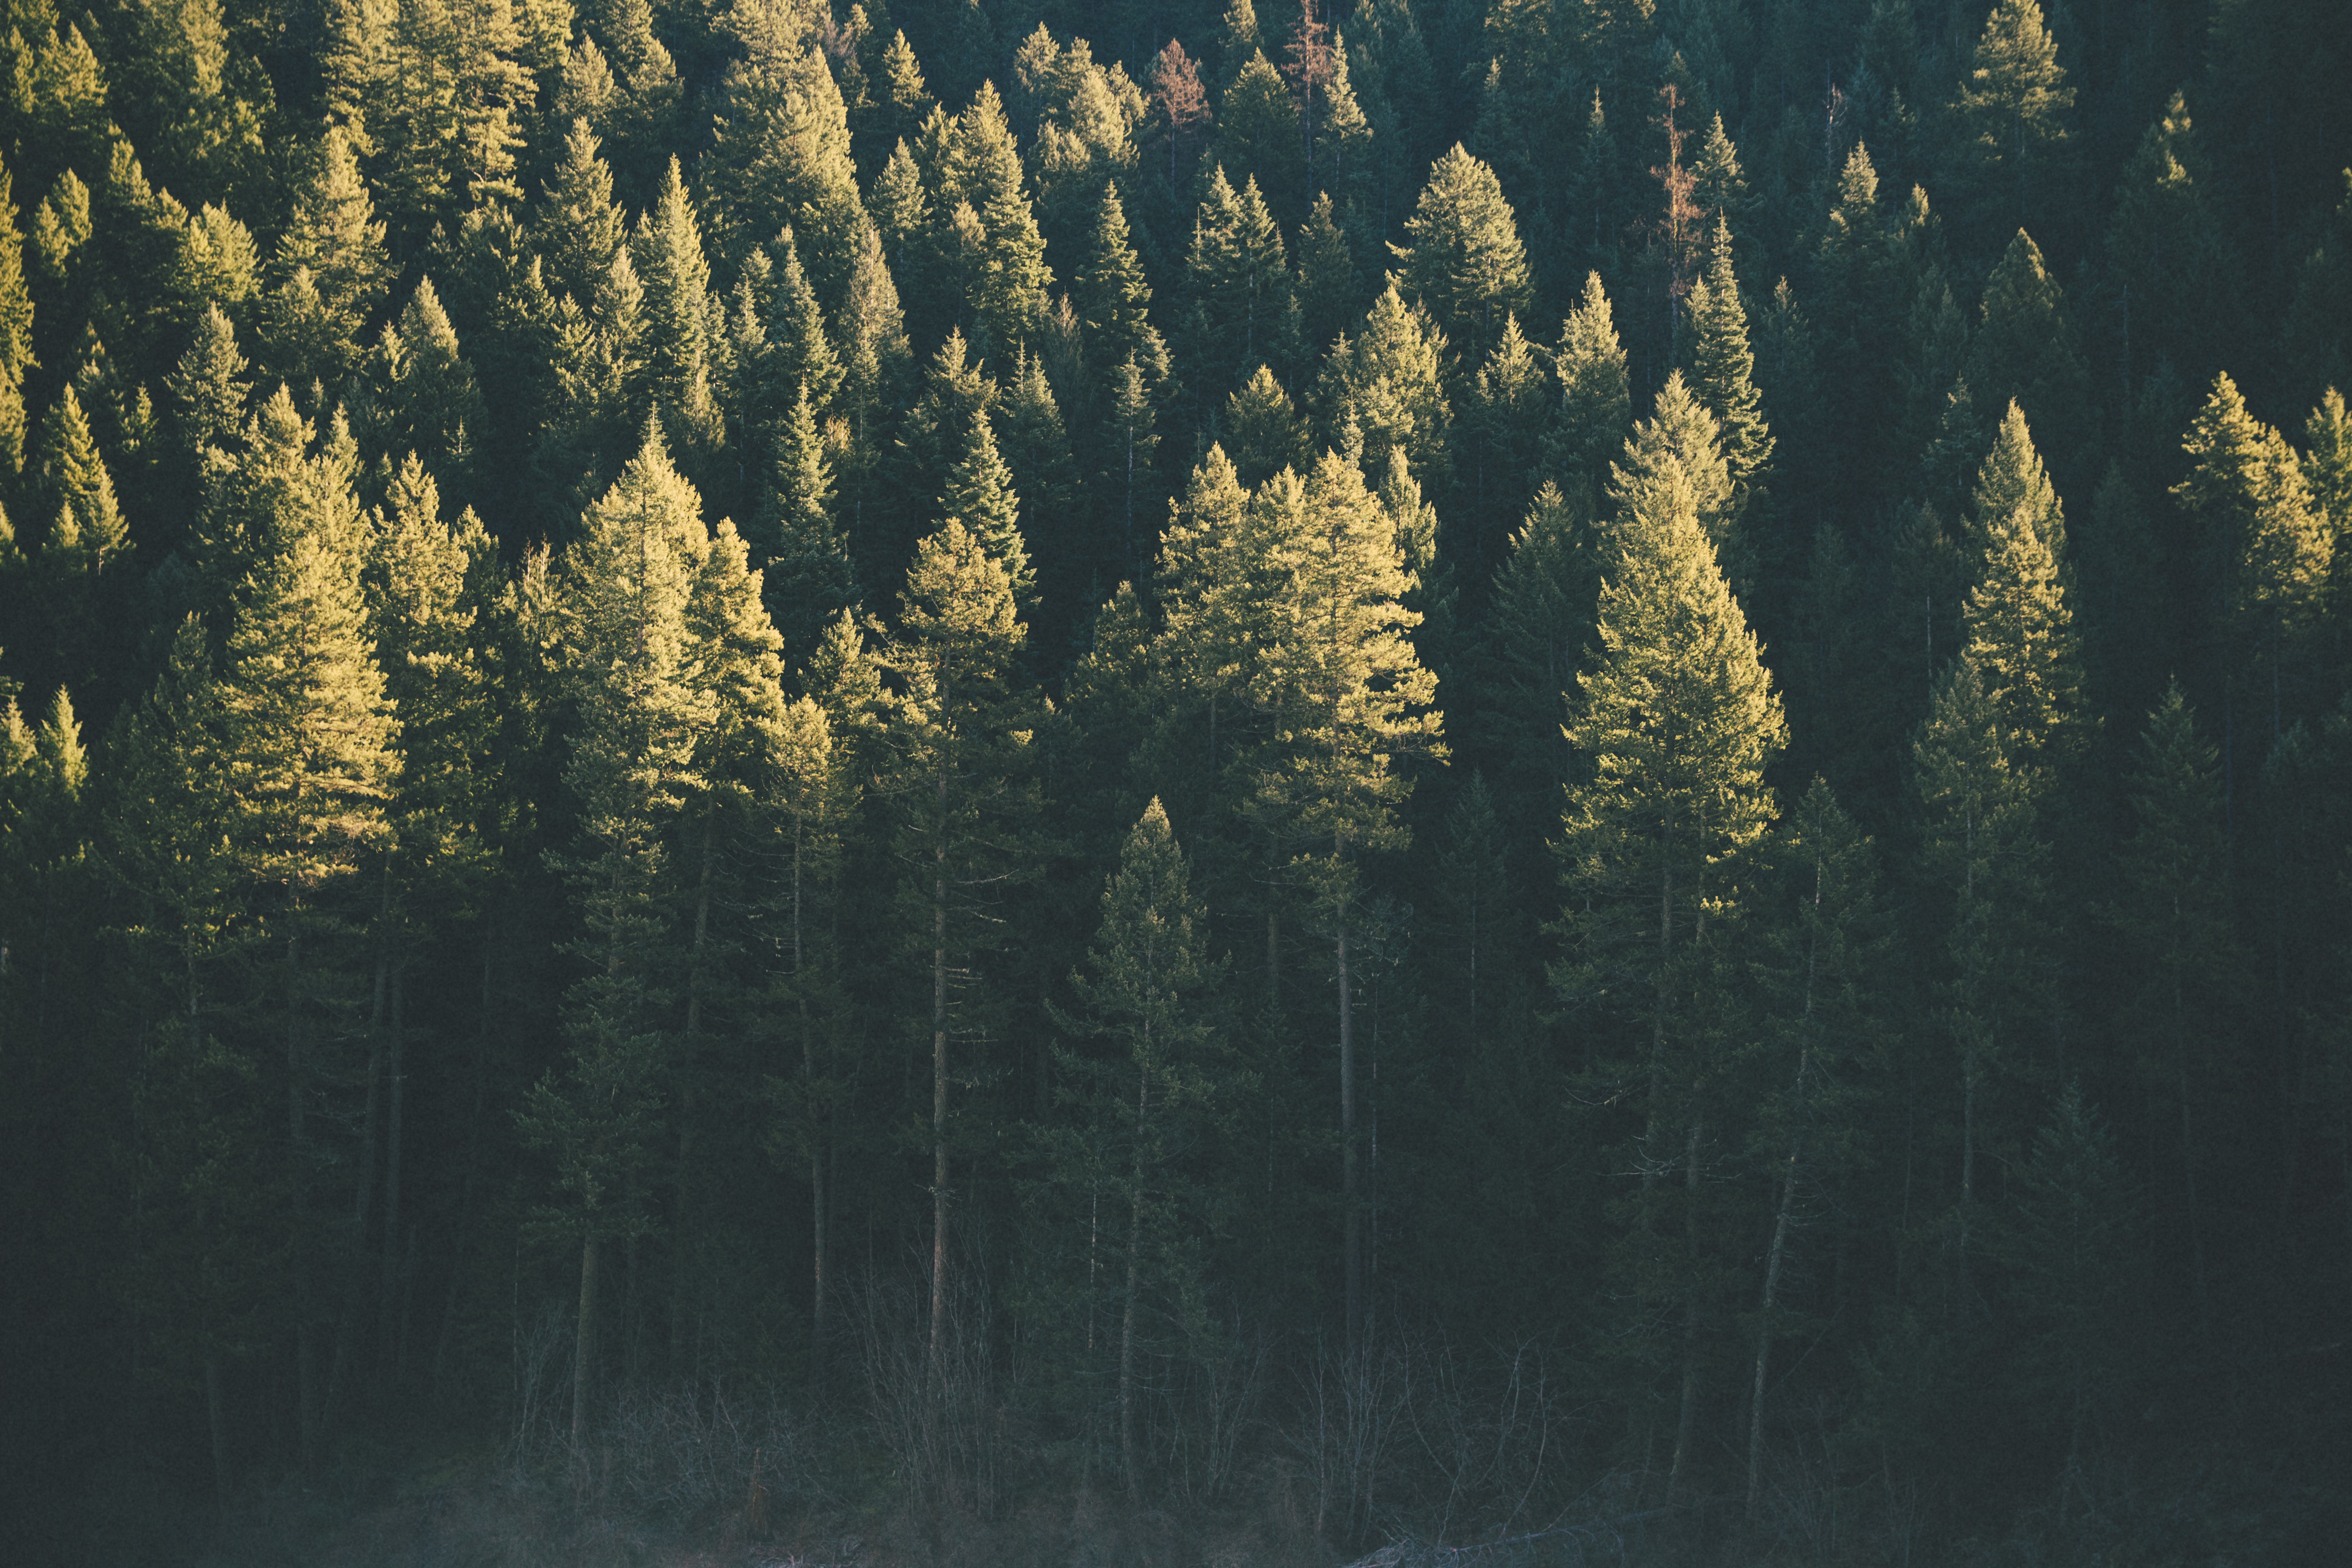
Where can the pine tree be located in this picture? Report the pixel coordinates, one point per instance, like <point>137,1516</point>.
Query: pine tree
<point>1820,974</point>
<point>681,323</point>
<point>2011,480</point>
<point>2011,107</point>
<point>2025,349</point>
<point>1723,370</point>
<point>1387,390</point>
<point>16,333</point>
<point>1466,263</point>
<point>2022,645</point>
<point>627,654</point>
<point>1264,429</point>
<point>310,761</point>
<point>1504,419</point>
<point>1329,297</point>
<point>979,495</point>
<point>2169,259</point>
<point>2258,539</point>
<point>1258,138</point>
<point>427,401</point>
<point>1111,295</point>
<point>1539,632</point>
<point>580,228</point>
<point>796,543</point>
<point>1149,987</point>
<point>2182,955</point>
<point>1239,287</point>
<point>334,239</point>
<point>1679,721</point>
<point>1596,399</point>
<point>962,760</point>
<point>1982,851</point>
<point>1355,700</point>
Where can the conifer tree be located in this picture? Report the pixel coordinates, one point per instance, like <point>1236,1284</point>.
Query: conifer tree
<point>1149,987</point>
<point>89,531</point>
<point>310,763</point>
<point>1596,399</point>
<point>2012,479</point>
<point>580,228</point>
<point>1329,299</point>
<point>16,333</point>
<point>1239,287</point>
<point>962,751</point>
<point>1820,974</point>
<point>681,323</point>
<point>1338,665</point>
<point>1982,851</point>
<point>627,654</point>
<point>1679,721</point>
<point>1264,429</point>
<point>1111,295</point>
<point>809,577</point>
<point>334,240</point>
<point>1504,419</point>
<point>2022,645</point>
<point>1539,634</point>
<point>1258,138</point>
<point>1043,466</point>
<point>1387,390</point>
<point>2260,539</point>
<point>2010,109</point>
<point>1723,369</point>
<point>800,352</point>
<point>2025,349</point>
<point>427,402</point>
<point>2169,259</point>
<point>1466,263</point>
<point>2183,956</point>
<point>979,495</point>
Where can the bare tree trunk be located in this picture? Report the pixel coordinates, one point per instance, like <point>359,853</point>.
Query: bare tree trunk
<point>306,1408</point>
<point>396,1093</point>
<point>683,1183</point>
<point>1354,1238</point>
<point>1686,1426</point>
<point>583,1352</point>
<point>939,1083</point>
<point>473,1166</point>
<point>1134,1287</point>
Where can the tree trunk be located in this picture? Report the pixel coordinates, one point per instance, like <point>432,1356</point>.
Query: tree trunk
<point>1134,1286</point>
<point>1354,1239</point>
<point>940,1082</point>
<point>682,1185</point>
<point>396,1088</point>
<point>1686,1426</point>
<point>473,1166</point>
<point>584,1352</point>
<point>307,1409</point>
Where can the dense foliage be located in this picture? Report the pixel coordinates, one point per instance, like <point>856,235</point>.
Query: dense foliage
<point>1522,760</point>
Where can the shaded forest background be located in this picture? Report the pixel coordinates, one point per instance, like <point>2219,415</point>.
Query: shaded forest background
<point>1427,770</point>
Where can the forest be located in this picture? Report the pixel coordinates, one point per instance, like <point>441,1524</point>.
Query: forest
<point>970,782</point>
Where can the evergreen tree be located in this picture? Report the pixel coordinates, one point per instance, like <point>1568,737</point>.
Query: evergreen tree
<point>580,228</point>
<point>1329,299</point>
<point>1386,391</point>
<point>16,333</point>
<point>1982,851</point>
<point>1679,721</point>
<point>1596,399</point>
<point>1466,263</point>
<point>1111,294</point>
<point>2011,110</point>
<point>1355,701</point>
<point>1264,429</point>
<point>2169,259</point>
<point>962,762</point>
<point>427,401</point>
<point>333,240</point>
<point>979,495</point>
<point>1258,138</point>
<point>2023,648</point>
<point>2011,480</point>
<point>2182,957</point>
<point>1149,986</point>
<point>1723,370</point>
<point>1239,287</point>
<point>682,322</point>
<point>627,655</point>
<point>2025,349</point>
<point>798,545</point>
